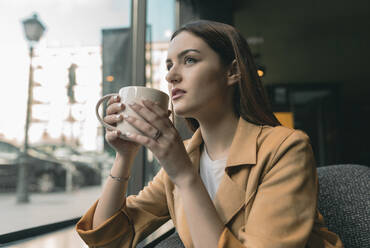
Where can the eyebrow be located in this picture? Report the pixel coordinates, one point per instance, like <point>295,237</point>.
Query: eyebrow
<point>181,54</point>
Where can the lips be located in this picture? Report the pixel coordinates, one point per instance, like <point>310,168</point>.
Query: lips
<point>176,93</point>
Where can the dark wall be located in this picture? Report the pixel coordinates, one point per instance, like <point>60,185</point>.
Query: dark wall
<point>310,40</point>
<point>220,10</point>
<point>318,42</point>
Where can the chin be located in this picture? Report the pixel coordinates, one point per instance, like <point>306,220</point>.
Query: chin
<point>184,112</point>
<point>181,111</point>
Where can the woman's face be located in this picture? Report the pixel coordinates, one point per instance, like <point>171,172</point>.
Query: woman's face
<point>197,79</point>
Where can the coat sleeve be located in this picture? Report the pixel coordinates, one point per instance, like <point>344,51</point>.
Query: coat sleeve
<point>284,208</point>
<point>141,215</point>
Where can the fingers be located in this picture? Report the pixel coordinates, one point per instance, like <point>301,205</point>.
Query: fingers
<point>115,108</point>
<point>114,105</point>
<point>114,99</point>
<point>157,117</point>
<point>145,113</point>
<point>142,126</point>
<point>143,140</point>
<point>155,108</point>
<point>113,111</point>
<point>112,136</point>
<point>161,148</point>
<point>113,119</point>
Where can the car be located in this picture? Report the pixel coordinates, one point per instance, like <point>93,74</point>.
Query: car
<point>44,173</point>
<point>88,167</point>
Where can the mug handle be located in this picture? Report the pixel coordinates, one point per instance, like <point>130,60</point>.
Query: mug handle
<point>101,100</point>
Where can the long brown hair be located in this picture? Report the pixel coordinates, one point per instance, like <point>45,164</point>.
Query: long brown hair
<point>250,99</point>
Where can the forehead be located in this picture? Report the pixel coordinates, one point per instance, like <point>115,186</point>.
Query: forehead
<point>186,40</point>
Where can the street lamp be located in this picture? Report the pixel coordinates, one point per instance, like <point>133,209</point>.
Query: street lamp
<point>33,30</point>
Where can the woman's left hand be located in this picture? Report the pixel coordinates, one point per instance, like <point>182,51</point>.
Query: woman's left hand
<point>162,139</point>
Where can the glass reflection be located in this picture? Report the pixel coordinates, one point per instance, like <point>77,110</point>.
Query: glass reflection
<point>66,162</point>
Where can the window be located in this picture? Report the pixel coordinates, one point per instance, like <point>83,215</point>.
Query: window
<point>160,26</point>
<point>66,162</point>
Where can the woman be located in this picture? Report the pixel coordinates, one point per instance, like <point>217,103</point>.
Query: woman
<point>242,180</point>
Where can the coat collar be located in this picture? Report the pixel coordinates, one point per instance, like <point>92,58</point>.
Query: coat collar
<point>232,193</point>
<point>245,139</point>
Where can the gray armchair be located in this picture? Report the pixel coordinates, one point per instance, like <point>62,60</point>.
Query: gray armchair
<point>344,201</point>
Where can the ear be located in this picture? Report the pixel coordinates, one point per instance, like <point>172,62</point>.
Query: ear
<point>233,74</point>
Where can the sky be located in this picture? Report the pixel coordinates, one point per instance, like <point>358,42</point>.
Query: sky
<point>70,23</point>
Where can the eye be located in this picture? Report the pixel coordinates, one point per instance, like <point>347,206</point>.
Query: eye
<point>190,60</point>
<point>169,65</point>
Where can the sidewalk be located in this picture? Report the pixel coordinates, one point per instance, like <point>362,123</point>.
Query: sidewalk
<point>65,238</point>
<point>50,208</point>
<point>44,208</point>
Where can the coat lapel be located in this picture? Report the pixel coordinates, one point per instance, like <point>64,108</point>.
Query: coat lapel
<point>231,194</point>
<point>229,199</point>
<point>243,149</point>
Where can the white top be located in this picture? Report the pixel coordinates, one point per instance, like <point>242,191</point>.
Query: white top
<point>211,172</point>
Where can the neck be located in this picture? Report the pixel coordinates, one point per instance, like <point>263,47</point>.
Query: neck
<point>218,132</point>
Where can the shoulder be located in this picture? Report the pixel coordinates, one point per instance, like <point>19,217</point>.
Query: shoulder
<point>275,143</point>
<point>274,137</point>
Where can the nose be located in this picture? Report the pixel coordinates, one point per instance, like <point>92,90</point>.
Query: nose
<point>173,75</point>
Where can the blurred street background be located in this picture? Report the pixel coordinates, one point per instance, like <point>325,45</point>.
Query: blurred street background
<point>45,209</point>
<point>58,59</point>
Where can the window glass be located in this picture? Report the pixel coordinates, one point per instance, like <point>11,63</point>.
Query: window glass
<point>160,26</point>
<point>66,162</point>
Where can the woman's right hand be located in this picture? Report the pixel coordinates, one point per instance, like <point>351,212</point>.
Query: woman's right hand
<point>114,116</point>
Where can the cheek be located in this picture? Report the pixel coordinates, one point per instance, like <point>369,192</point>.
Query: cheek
<point>208,80</point>
<point>203,73</point>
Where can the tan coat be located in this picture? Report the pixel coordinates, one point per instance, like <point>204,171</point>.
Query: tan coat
<point>266,198</point>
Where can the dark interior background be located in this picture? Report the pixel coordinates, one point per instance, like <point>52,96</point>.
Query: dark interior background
<point>316,60</point>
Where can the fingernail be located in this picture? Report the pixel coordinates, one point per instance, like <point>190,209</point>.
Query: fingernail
<point>136,106</point>
<point>115,98</point>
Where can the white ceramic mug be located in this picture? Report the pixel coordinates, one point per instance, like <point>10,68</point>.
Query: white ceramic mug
<point>129,95</point>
